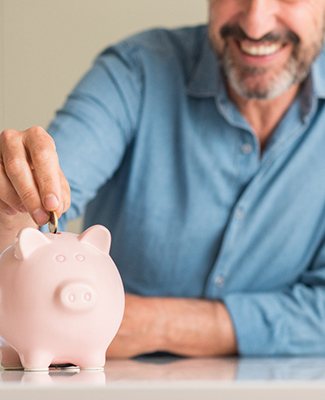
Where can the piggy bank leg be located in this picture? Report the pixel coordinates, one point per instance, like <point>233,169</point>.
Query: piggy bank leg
<point>36,360</point>
<point>10,358</point>
<point>93,360</point>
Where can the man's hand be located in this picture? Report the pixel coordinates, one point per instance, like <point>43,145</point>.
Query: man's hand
<point>188,327</point>
<point>31,179</point>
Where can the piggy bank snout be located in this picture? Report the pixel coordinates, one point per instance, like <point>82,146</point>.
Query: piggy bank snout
<point>77,296</point>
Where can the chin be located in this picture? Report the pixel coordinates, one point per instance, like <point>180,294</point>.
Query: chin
<point>262,88</point>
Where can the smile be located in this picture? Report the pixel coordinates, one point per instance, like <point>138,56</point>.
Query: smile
<point>260,50</point>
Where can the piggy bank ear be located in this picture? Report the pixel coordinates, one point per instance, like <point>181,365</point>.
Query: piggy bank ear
<point>29,240</point>
<point>97,236</point>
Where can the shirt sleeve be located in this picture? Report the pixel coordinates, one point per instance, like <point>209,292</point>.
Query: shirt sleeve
<point>286,322</point>
<point>97,123</point>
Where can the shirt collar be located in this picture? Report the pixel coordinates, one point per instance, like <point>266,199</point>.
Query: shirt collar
<point>206,78</point>
<point>318,76</point>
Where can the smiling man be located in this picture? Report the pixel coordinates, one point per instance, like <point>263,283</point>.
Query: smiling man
<point>202,150</point>
<point>266,51</point>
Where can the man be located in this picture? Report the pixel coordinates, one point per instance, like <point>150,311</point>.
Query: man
<point>202,151</point>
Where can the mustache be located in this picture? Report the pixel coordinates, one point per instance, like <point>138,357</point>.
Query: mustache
<point>237,33</point>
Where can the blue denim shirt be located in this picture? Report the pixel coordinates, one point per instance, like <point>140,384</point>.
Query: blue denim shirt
<point>155,150</point>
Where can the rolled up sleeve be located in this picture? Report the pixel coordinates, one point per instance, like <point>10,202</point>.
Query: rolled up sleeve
<point>286,322</point>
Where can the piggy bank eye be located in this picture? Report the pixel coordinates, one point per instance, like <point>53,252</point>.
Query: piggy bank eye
<point>80,257</point>
<point>60,258</point>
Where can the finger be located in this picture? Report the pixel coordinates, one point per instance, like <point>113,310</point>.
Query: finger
<point>41,149</point>
<point>66,193</point>
<point>6,209</point>
<point>7,192</point>
<point>20,175</point>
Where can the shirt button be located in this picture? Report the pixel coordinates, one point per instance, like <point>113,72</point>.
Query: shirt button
<point>239,213</point>
<point>246,148</point>
<point>220,280</point>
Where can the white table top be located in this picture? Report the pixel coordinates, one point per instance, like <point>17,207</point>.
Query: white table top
<point>171,378</point>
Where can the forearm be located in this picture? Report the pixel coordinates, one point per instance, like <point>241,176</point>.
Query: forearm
<point>11,225</point>
<point>196,328</point>
<point>186,327</point>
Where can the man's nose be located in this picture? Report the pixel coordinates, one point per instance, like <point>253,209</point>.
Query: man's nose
<point>258,17</point>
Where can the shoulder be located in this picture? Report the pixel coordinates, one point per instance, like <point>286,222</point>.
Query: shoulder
<point>181,45</point>
<point>184,39</point>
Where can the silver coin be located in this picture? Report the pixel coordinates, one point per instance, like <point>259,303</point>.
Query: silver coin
<point>53,222</point>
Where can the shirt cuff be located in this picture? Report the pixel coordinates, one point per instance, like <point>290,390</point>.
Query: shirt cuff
<point>255,330</point>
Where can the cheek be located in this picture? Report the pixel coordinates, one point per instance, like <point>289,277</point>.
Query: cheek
<point>219,15</point>
<point>222,12</point>
<point>308,21</point>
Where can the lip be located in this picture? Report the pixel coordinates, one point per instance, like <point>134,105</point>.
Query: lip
<point>279,56</point>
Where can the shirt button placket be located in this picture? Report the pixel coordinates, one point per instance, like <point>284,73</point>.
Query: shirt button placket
<point>219,280</point>
<point>239,212</point>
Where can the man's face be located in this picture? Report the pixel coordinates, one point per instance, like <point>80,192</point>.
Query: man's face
<point>266,46</point>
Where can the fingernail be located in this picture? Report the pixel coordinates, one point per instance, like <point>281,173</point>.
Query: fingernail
<point>51,202</point>
<point>40,216</point>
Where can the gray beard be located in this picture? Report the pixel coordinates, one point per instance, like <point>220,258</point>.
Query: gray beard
<point>294,72</point>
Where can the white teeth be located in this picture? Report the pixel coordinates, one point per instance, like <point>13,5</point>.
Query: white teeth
<point>261,50</point>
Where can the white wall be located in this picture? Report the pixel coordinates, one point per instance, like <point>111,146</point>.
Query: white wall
<point>48,44</point>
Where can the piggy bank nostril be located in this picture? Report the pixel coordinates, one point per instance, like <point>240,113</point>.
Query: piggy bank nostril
<point>72,298</point>
<point>87,296</point>
<point>60,258</point>
<point>80,257</point>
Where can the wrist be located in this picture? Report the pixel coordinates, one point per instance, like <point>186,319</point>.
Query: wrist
<point>226,333</point>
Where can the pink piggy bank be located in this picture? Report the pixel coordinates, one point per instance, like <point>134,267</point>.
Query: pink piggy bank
<point>61,298</point>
